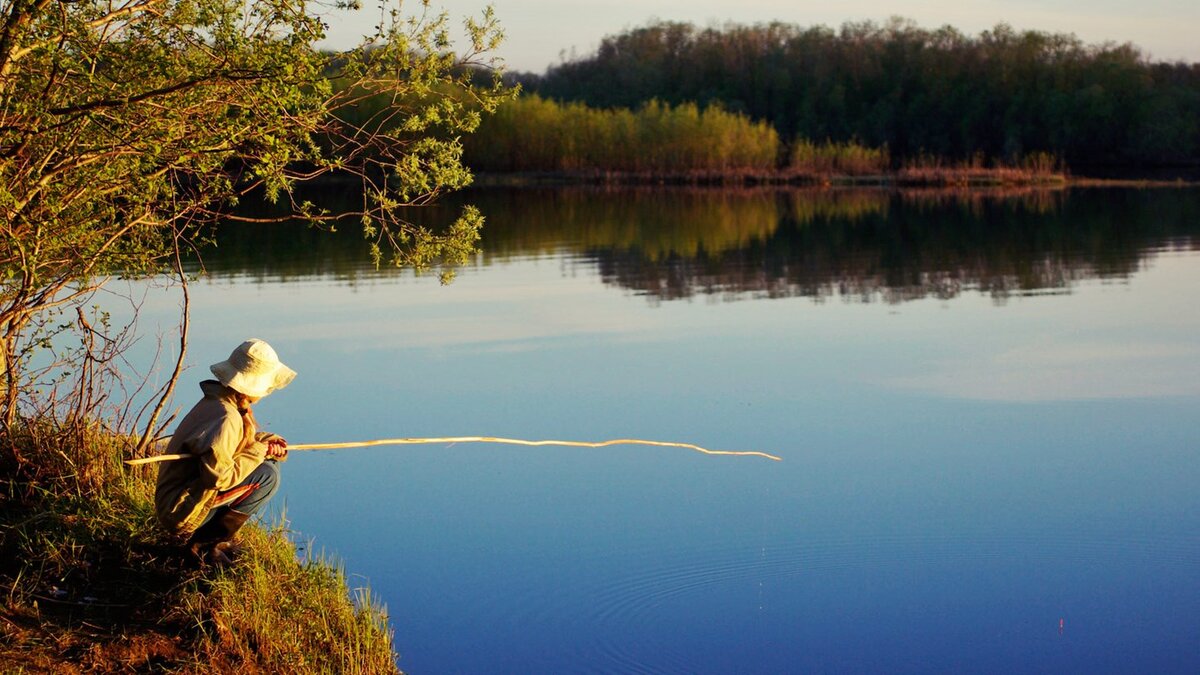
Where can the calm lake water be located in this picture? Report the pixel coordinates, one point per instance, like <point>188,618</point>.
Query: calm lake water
<point>986,407</point>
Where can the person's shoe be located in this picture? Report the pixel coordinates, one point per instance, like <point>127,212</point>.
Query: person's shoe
<point>212,541</point>
<point>222,553</point>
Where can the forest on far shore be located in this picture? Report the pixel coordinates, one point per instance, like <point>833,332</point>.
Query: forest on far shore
<point>1002,95</point>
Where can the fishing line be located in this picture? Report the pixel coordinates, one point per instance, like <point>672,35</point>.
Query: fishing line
<point>484,439</point>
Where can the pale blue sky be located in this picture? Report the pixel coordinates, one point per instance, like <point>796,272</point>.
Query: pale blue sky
<point>539,30</point>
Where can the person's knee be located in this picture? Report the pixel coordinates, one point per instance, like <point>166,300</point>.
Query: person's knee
<point>269,471</point>
<point>268,478</point>
<point>264,482</point>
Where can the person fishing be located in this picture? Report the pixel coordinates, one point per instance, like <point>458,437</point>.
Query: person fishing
<point>232,467</point>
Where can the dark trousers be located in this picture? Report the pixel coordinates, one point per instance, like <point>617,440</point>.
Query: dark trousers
<point>250,495</point>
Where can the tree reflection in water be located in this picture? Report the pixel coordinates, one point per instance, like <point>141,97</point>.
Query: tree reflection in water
<point>857,244</point>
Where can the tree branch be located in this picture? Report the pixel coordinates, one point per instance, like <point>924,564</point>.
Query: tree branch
<point>126,10</point>
<point>161,91</point>
<point>19,14</point>
<point>149,432</point>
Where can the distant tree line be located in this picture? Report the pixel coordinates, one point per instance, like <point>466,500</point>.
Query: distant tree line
<point>1003,94</point>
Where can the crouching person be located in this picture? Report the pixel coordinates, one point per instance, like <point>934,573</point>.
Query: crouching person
<point>233,469</point>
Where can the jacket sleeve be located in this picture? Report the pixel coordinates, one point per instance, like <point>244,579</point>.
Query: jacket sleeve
<point>224,466</point>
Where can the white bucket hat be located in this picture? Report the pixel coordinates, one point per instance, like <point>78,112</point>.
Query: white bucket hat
<point>253,369</point>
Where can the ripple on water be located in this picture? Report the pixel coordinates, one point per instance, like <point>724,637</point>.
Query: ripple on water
<point>623,623</point>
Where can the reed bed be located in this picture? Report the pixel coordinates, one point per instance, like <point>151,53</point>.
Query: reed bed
<point>837,159</point>
<point>1032,169</point>
<point>533,134</point>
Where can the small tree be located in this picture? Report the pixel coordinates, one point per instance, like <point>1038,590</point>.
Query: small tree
<point>128,125</point>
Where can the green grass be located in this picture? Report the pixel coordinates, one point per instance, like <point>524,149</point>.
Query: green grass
<point>286,616</point>
<point>89,583</point>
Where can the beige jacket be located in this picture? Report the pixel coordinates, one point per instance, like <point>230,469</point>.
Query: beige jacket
<point>219,438</point>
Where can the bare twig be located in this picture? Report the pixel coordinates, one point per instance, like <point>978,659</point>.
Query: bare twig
<point>148,433</point>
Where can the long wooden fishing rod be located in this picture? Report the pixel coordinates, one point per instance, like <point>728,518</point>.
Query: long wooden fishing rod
<point>483,439</point>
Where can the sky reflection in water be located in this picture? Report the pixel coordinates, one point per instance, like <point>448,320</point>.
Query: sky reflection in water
<point>986,409</point>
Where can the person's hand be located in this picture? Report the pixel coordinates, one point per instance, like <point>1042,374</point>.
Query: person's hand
<point>276,446</point>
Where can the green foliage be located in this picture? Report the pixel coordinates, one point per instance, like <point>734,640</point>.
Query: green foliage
<point>1003,93</point>
<point>125,128</point>
<point>535,134</point>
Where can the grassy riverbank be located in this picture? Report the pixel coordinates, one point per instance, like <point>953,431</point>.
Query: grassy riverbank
<point>90,584</point>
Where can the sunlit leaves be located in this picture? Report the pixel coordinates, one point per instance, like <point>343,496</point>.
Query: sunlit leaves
<point>126,125</point>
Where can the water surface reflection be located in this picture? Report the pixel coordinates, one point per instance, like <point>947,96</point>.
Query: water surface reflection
<point>869,245</point>
<point>960,475</point>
